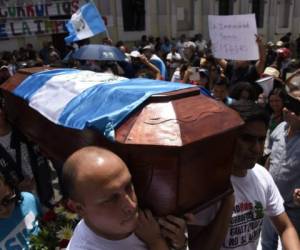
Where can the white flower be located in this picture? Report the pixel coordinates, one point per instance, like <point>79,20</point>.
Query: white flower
<point>69,215</point>
<point>65,233</point>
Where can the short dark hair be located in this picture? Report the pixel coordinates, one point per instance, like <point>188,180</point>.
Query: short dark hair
<point>250,111</point>
<point>237,89</point>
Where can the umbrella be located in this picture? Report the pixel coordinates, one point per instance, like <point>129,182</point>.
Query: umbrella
<point>99,52</point>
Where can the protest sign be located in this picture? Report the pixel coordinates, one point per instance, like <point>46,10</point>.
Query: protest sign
<point>233,37</point>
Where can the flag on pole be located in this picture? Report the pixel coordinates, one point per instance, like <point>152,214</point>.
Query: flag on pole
<point>84,23</point>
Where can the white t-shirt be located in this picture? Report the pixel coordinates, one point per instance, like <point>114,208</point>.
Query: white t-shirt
<point>207,215</point>
<point>174,59</point>
<point>255,195</point>
<point>85,239</point>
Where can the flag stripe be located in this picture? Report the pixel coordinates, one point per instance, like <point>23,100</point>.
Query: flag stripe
<point>114,103</point>
<point>85,99</point>
<point>35,81</point>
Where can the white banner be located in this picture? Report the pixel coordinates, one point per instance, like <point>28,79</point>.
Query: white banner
<point>233,37</point>
<point>31,27</point>
<point>41,10</point>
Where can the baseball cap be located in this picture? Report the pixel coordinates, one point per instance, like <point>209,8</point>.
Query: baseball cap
<point>284,52</point>
<point>148,47</point>
<point>135,53</point>
<point>279,43</point>
<point>204,72</point>
<point>189,44</point>
<point>4,67</point>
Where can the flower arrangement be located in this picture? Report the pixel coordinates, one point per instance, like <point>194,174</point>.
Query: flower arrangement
<point>56,229</point>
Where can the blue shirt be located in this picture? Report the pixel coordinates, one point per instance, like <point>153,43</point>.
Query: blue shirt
<point>285,162</point>
<point>22,223</point>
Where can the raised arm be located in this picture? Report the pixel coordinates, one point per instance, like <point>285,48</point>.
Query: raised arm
<point>260,64</point>
<point>151,67</point>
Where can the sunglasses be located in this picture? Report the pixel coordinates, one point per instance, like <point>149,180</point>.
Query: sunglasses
<point>8,200</point>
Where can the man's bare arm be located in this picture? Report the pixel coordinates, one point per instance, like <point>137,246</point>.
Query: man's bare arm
<point>151,67</point>
<point>286,231</point>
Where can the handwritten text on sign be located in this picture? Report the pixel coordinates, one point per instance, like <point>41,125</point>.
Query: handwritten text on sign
<point>233,37</point>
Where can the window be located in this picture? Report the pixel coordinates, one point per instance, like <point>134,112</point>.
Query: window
<point>226,7</point>
<point>185,15</point>
<point>258,8</point>
<point>284,12</point>
<point>133,15</point>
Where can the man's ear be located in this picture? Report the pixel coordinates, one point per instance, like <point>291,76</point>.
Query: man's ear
<point>75,206</point>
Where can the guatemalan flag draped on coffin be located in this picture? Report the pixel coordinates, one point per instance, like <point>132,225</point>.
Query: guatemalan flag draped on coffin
<point>85,22</point>
<point>85,99</point>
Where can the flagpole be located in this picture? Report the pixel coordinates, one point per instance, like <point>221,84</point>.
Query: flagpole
<point>106,31</point>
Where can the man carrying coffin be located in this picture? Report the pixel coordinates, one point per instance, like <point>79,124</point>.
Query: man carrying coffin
<point>100,190</point>
<point>256,194</point>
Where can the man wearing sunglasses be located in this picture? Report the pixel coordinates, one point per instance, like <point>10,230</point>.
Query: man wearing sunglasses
<point>18,215</point>
<point>256,195</point>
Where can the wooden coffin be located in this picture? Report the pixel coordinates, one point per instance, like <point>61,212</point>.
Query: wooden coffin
<point>178,145</point>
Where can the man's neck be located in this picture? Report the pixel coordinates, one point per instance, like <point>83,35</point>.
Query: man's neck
<point>104,235</point>
<point>239,172</point>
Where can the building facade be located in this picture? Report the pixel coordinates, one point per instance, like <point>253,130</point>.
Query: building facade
<point>26,21</point>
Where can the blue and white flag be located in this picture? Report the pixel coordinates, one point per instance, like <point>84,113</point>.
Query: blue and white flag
<point>85,99</point>
<point>84,23</point>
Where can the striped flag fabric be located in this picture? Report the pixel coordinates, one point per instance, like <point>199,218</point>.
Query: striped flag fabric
<point>82,99</point>
<point>84,23</point>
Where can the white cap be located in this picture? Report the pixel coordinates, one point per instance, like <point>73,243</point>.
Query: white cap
<point>148,47</point>
<point>135,53</point>
<point>189,44</point>
<point>279,43</point>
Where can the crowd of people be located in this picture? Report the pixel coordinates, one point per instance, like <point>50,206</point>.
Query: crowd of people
<point>266,163</point>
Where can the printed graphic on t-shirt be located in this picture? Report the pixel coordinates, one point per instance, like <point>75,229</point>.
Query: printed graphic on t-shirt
<point>17,238</point>
<point>245,225</point>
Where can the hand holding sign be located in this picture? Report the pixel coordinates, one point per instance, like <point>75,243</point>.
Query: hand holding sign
<point>233,37</point>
